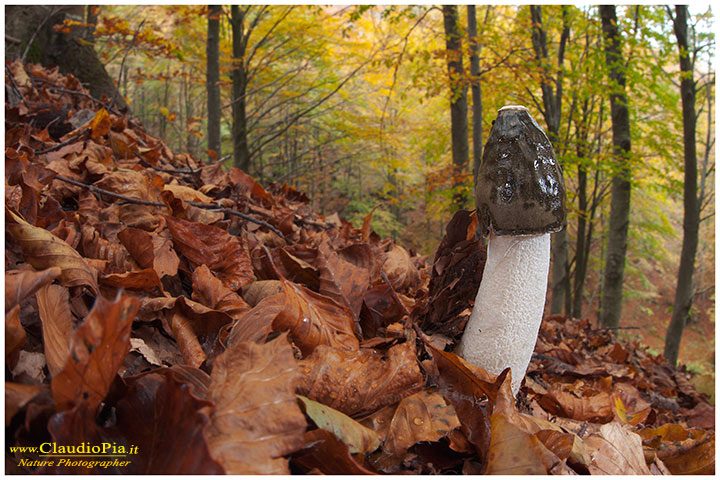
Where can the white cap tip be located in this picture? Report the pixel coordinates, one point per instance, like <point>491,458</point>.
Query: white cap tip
<point>513,107</point>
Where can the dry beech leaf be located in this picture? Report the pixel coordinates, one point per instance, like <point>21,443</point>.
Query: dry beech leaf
<point>188,194</point>
<point>97,349</point>
<point>210,291</point>
<point>95,246</point>
<point>595,408</point>
<point>256,419</point>
<point>145,279</point>
<point>515,452</point>
<point>150,251</point>
<point>14,333</point>
<point>42,250</point>
<point>57,325</point>
<point>17,396</point>
<point>313,319</point>
<point>360,382</point>
<point>341,280</point>
<point>357,437</point>
<point>20,284</point>
<point>223,253</point>
<point>465,391</point>
<point>616,451</point>
<point>158,415</point>
<point>683,451</point>
<point>256,324</point>
<point>128,183</point>
<point>326,454</point>
<point>400,270</point>
<point>421,417</point>
<point>254,292</point>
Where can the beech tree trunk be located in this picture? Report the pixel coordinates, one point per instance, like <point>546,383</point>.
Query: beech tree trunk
<point>213,78</point>
<point>33,25</point>
<point>620,187</point>
<point>458,103</point>
<point>552,112</point>
<point>475,90</point>
<point>691,204</point>
<point>241,153</point>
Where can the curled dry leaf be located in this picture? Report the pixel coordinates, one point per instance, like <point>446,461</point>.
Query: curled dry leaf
<point>146,279</point>
<point>313,319</point>
<point>341,280</point>
<point>256,291</point>
<point>223,253</point>
<point>42,250</point>
<point>360,382</point>
<point>210,291</point>
<point>401,271</point>
<point>683,451</point>
<point>150,250</point>
<point>57,325</point>
<point>421,417</point>
<point>158,415</point>
<point>357,437</point>
<point>97,349</point>
<point>326,454</point>
<point>513,451</point>
<point>256,419</point>
<point>17,396</point>
<point>595,408</point>
<point>20,284</point>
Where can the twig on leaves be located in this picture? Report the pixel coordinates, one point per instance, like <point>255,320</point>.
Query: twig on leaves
<point>58,146</point>
<point>138,201</point>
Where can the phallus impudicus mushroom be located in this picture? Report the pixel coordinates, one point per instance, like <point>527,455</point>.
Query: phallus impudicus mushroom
<point>520,201</point>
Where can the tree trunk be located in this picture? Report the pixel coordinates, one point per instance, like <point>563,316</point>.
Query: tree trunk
<point>213,78</point>
<point>552,112</point>
<point>458,104</point>
<point>475,90</point>
<point>691,214</point>
<point>34,24</point>
<point>241,153</point>
<point>620,188</point>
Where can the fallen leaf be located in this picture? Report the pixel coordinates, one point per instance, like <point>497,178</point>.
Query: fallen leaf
<point>17,396</point>
<point>20,284</point>
<point>358,438</point>
<point>323,452</point>
<point>14,333</point>
<point>256,419</point>
<point>42,250</point>
<point>97,349</point>
<point>57,325</point>
<point>360,382</point>
<point>616,451</point>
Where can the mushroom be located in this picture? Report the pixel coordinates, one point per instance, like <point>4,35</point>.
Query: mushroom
<point>520,200</point>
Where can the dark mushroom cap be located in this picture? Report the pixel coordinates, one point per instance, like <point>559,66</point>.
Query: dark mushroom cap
<point>520,188</point>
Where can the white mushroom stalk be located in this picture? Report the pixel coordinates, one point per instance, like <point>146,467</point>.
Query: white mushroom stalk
<point>520,198</point>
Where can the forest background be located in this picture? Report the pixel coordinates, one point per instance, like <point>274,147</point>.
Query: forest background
<point>362,108</point>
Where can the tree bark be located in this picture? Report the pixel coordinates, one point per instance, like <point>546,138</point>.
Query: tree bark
<point>552,112</point>
<point>213,78</point>
<point>34,24</point>
<point>620,188</point>
<point>458,104</point>
<point>475,90</point>
<point>691,214</point>
<point>241,153</point>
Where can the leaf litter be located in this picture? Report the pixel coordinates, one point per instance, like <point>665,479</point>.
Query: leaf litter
<point>225,327</point>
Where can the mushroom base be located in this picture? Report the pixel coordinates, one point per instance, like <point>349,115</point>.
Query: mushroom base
<point>505,320</point>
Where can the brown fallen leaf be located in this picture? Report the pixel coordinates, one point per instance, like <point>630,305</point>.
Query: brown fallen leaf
<point>157,415</point>
<point>223,253</point>
<point>515,452</point>
<point>209,290</point>
<point>683,451</point>
<point>401,271</point>
<point>150,251</point>
<point>313,319</point>
<point>42,250</point>
<point>595,408</point>
<point>340,279</point>
<point>17,396</point>
<point>20,284</point>
<point>97,349</point>
<point>360,382</point>
<point>57,325</point>
<point>146,279</point>
<point>421,417</point>
<point>324,453</point>
<point>15,335</point>
<point>616,451</point>
<point>256,419</point>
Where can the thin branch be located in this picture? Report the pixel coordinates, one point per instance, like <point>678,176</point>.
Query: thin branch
<point>66,142</point>
<point>138,201</point>
<point>37,30</point>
